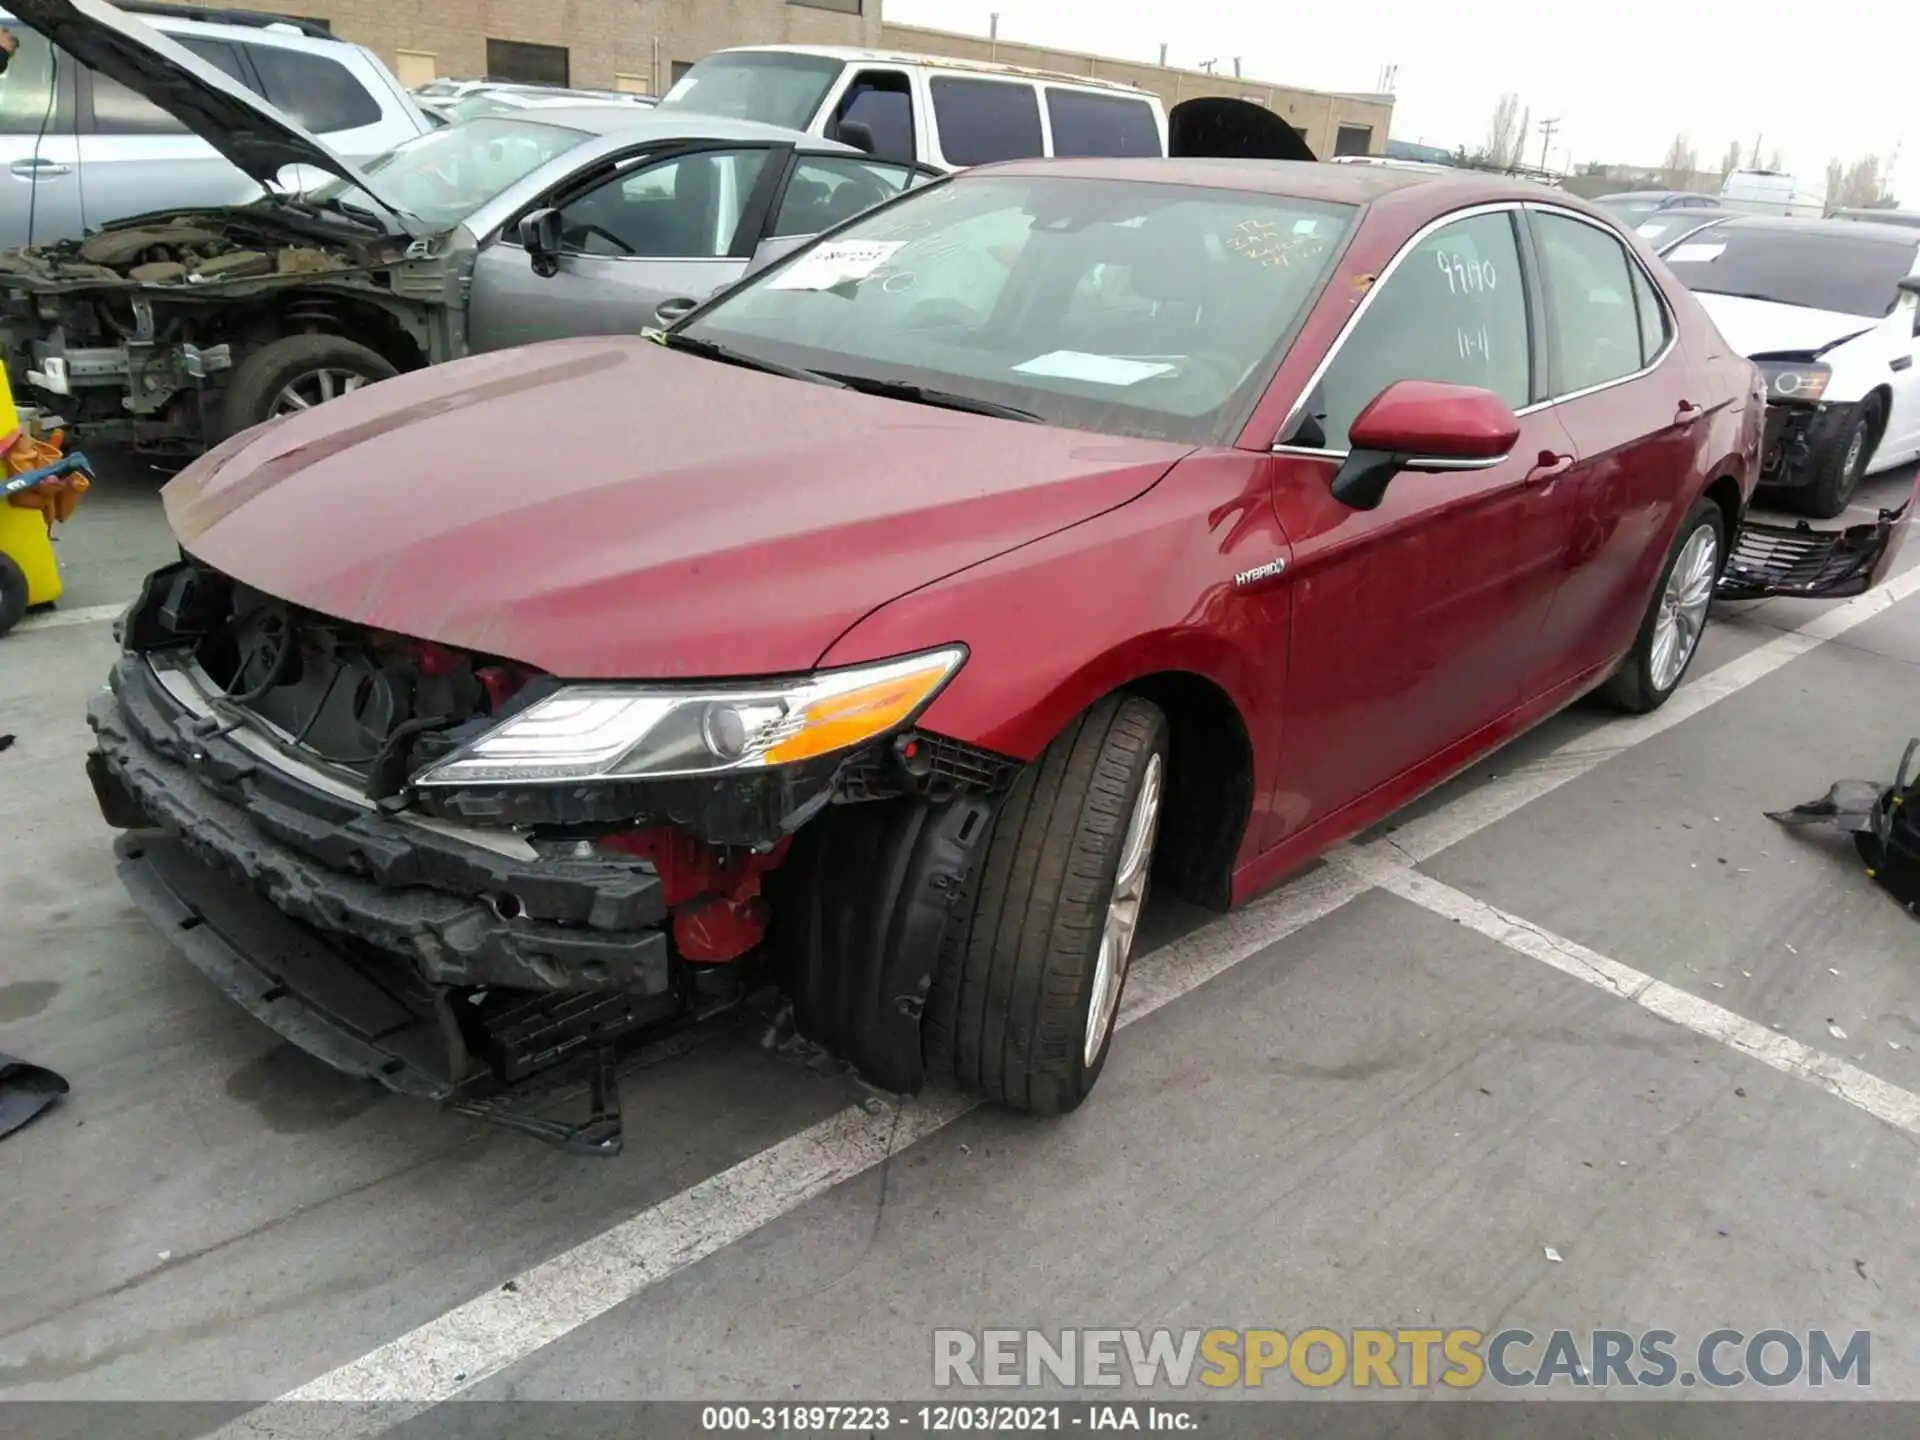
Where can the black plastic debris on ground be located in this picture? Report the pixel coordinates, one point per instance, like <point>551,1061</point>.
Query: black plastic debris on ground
<point>25,1091</point>
<point>5,741</point>
<point>1884,821</point>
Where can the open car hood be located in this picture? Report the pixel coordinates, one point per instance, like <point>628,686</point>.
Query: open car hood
<point>257,138</point>
<point>694,519</point>
<point>1222,128</point>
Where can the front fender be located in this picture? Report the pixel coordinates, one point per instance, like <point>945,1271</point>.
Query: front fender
<point>1141,590</point>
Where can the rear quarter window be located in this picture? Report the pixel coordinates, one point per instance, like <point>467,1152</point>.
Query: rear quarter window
<point>986,120</point>
<point>321,94</point>
<point>1103,125</point>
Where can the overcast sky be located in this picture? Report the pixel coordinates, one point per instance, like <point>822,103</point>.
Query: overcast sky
<point>1621,77</point>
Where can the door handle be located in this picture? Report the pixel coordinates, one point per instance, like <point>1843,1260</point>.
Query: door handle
<point>1687,413</point>
<point>1548,467</point>
<point>670,310</point>
<point>33,169</point>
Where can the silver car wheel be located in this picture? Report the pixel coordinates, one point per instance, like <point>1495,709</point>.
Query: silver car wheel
<point>1683,608</point>
<point>1123,910</point>
<point>316,387</point>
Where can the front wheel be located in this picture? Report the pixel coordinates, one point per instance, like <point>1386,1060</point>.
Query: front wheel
<point>298,372</point>
<point>1670,632</point>
<point>1024,1001</point>
<point>1839,465</point>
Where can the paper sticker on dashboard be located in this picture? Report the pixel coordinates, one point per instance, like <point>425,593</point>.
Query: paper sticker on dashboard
<point>835,263</point>
<point>1696,254</point>
<point>1096,369</point>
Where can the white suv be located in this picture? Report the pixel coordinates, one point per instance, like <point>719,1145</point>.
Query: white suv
<point>81,149</point>
<point>948,113</point>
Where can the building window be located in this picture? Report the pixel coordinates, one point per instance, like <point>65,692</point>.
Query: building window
<point>533,64</point>
<point>1353,140</point>
<point>845,7</point>
<point>680,67</point>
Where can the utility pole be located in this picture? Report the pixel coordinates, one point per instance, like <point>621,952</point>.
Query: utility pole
<point>1208,65</point>
<point>1547,127</point>
<point>1236,67</point>
<point>1163,54</point>
<point>993,36</point>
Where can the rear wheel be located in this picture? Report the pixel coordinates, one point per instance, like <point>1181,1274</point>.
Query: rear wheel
<point>1023,1002</point>
<point>1670,632</point>
<point>1839,465</point>
<point>298,372</point>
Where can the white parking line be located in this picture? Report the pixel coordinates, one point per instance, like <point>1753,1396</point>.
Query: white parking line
<point>455,1351</point>
<point>1897,1107</point>
<point>85,615</point>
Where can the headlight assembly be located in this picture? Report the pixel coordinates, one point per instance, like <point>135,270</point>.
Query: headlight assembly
<point>1803,383</point>
<point>643,732</point>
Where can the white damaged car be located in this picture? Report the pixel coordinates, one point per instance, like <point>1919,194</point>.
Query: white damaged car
<point>1830,311</point>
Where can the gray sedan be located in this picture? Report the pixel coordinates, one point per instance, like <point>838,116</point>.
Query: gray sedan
<point>585,221</point>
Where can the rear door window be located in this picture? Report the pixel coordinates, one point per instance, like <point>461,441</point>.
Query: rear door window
<point>1454,309</point>
<point>1089,124</point>
<point>1591,309</point>
<point>321,94</point>
<point>826,190</point>
<point>986,120</point>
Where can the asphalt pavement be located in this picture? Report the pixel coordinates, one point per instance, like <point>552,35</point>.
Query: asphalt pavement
<point>1580,1041</point>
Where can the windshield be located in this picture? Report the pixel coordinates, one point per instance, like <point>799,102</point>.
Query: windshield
<point>1123,307</point>
<point>771,86</point>
<point>445,175</point>
<point>1818,270</point>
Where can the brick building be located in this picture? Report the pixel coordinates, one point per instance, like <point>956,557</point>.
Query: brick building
<point>644,45</point>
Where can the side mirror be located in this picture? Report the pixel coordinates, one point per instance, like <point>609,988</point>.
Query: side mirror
<point>540,233</point>
<point>667,312</point>
<point>858,134</point>
<point>1422,425</point>
<point>1911,284</point>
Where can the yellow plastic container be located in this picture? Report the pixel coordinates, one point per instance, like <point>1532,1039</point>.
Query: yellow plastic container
<point>25,541</point>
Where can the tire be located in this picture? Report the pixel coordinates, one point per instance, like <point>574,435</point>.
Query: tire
<point>254,395</point>
<point>13,593</point>
<point>1841,462</point>
<point>1008,1016</point>
<point>1636,687</point>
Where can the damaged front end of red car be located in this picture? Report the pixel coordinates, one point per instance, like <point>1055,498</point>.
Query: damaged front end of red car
<point>442,870</point>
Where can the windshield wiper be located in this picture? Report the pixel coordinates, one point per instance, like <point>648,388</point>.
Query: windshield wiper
<point>943,399</point>
<point>727,355</point>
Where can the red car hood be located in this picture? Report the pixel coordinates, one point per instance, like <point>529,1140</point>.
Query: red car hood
<point>608,508</point>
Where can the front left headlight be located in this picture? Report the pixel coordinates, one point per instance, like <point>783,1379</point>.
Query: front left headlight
<point>1801,382</point>
<point>648,732</point>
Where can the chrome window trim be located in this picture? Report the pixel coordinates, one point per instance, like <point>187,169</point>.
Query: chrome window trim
<point>1379,282</point>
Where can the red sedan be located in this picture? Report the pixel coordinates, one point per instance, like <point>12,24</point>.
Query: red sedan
<point>860,647</point>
